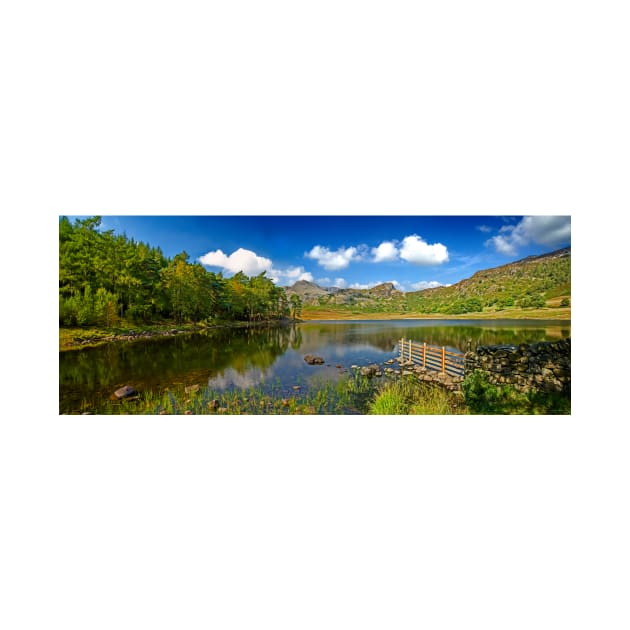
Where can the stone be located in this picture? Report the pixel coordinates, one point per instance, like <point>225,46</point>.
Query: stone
<point>313,360</point>
<point>213,404</point>
<point>125,391</point>
<point>370,370</point>
<point>191,389</point>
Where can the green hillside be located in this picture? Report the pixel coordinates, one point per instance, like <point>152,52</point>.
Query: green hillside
<point>533,283</point>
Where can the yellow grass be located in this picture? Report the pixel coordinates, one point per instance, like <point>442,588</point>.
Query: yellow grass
<point>560,313</point>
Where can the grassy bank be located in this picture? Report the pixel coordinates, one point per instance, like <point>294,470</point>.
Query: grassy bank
<point>76,338</point>
<point>345,397</point>
<point>410,396</point>
<point>317,313</point>
<point>354,395</point>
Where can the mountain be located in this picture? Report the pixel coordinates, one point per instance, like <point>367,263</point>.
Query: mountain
<point>312,294</point>
<point>535,281</point>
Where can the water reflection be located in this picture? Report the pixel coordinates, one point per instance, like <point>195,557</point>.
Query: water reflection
<point>241,358</point>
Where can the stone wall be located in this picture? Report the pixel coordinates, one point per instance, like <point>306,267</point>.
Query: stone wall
<point>541,366</point>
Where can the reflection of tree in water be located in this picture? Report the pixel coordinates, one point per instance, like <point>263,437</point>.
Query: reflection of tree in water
<point>162,361</point>
<point>455,336</point>
<point>167,359</point>
<point>295,337</point>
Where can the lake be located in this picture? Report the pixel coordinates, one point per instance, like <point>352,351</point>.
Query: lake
<point>271,357</point>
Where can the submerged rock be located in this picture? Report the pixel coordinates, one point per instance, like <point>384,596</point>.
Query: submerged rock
<point>371,370</point>
<point>124,391</point>
<point>313,360</point>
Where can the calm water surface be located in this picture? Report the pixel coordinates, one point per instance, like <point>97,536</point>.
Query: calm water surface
<point>265,357</point>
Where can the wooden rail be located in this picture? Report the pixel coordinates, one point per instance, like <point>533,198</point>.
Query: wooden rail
<point>432,357</point>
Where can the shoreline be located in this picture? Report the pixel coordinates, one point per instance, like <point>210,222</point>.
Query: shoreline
<point>556,314</point>
<point>71,339</point>
<point>78,338</point>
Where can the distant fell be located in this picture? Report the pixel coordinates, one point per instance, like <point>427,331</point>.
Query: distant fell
<point>532,282</point>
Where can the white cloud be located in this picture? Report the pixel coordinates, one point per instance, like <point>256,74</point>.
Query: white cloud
<point>333,260</point>
<point>369,285</point>
<point>484,228</point>
<point>551,231</point>
<point>385,252</point>
<point>295,273</point>
<point>251,265</point>
<point>503,245</point>
<point>426,284</point>
<point>418,252</point>
<point>358,285</point>
<point>340,283</point>
<point>241,260</point>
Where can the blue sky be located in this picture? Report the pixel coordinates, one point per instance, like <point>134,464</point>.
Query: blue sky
<point>414,252</point>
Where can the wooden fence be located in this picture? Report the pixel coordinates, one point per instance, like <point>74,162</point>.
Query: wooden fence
<point>432,357</point>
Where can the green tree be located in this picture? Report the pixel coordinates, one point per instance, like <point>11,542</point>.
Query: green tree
<point>296,306</point>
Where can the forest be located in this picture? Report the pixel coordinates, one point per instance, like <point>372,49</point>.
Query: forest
<point>106,278</point>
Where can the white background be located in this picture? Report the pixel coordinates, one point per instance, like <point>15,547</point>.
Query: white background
<point>328,107</point>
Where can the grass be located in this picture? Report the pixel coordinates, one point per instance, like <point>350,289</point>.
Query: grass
<point>315,313</point>
<point>408,396</point>
<point>484,398</point>
<point>345,397</point>
<point>75,338</point>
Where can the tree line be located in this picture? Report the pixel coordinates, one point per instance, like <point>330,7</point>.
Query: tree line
<point>105,278</point>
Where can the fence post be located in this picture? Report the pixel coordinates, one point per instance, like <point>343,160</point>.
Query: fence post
<point>443,360</point>
<point>424,355</point>
<point>410,350</point>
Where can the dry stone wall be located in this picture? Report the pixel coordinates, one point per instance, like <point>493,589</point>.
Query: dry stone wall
<point>541,366</point>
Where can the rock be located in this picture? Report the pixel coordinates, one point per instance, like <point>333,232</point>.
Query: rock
<point>370,370</point>
<point>213,404</point>
<point>125,391</point>
<point>285,402</point>
<point>296,387</point>
<point>188,412</point>
<point>191,389</point>
<point>338,367</point>
<point>313,360</point>
<point>389,362</point>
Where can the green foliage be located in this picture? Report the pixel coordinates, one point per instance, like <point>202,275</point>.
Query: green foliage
<point>104,277</point>
<point>565,302</point>
<point>536,300</point>
<point>409,396</point>
<point>485,398</point>
<point>479,394</point>
<point>525,283</point>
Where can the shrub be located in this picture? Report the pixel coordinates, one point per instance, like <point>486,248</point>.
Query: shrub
<point>479,394</point>
<point>409,396</point>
